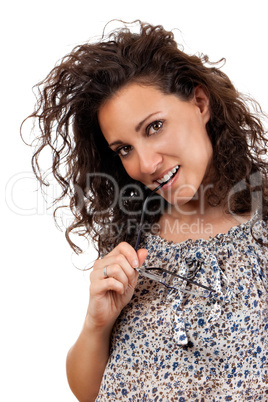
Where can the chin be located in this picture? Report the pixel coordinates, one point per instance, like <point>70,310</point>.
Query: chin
<point>183,198</point>
<point>180,201</point>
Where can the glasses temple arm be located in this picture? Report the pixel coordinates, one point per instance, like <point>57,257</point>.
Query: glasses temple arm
<point>143,213</point>
<point>182,277</point>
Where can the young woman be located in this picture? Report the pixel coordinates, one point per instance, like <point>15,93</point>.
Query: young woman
<point>178,304</point>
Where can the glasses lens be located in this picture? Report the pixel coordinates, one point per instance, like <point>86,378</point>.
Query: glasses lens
<point>177,282</point>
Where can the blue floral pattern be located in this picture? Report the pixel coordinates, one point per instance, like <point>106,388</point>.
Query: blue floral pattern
<point>169,345</point>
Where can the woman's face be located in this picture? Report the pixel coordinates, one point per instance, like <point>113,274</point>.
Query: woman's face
<point>160,138</point>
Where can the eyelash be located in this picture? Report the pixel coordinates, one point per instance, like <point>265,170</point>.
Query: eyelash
<point>147,131</point>
<point>152,124</point>
<point>118,151</point>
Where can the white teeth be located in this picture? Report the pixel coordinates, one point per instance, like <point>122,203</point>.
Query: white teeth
<point>168,175</point>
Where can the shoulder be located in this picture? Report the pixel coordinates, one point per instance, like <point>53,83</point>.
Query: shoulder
<point>259,230</point>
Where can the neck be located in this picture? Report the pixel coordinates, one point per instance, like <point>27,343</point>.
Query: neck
<point>196,208</point>
<point>196,220</point>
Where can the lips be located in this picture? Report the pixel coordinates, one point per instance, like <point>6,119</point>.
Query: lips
<point>168,176</point>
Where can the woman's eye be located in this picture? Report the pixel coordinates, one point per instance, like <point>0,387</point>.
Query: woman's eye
<point>154,127</point>
<point>123,151</point>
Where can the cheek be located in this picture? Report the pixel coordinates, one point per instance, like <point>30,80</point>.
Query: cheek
<point>131,169</point>
<point>200,149</point>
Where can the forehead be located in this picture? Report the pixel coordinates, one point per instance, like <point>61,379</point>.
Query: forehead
<point>132,94</point>
<point>130,105</point>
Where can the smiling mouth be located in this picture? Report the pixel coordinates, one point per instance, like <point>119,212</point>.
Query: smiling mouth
<point>165,179</point>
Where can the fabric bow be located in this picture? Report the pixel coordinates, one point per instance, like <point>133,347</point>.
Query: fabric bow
<point>203,267</point>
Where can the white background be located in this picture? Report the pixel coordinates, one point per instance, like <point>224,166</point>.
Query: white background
<point>43,297</point>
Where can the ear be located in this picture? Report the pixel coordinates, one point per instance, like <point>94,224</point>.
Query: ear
<point>202,102</point>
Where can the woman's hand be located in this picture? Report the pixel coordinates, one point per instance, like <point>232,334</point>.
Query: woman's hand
<point>109,295</point>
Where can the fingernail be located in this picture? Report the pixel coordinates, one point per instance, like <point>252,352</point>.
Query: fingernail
<point>135,263</point>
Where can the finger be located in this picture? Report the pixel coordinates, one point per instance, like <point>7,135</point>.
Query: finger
<point>100,288</point>
<point>109,260</point>
<point>128,251</point>
<point>142,254</point>
<point>117,267</point>
<point>117,272</point>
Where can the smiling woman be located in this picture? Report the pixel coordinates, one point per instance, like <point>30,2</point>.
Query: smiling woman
<point>157,148</point>
<point>172,138</point>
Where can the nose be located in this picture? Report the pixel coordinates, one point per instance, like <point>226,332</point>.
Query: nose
<point>149,160</point>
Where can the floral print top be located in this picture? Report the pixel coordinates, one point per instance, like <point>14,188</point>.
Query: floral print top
<point>168,345</point>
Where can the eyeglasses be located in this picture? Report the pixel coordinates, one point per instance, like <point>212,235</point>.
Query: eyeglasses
<point>169,279</point>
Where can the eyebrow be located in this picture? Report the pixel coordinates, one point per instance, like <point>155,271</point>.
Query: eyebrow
<point>137,128</point>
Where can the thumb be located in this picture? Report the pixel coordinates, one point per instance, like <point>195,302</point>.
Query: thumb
<point>142,254</point>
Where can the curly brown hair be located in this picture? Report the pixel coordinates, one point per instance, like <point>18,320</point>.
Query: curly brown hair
<point>68,102</point>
